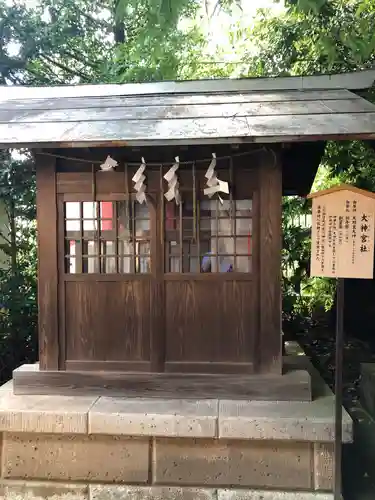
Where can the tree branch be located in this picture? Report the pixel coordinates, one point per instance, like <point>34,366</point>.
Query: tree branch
<point>40,80</point>
<point>64,67</point>
<point>7,240</point>
<point>119,25</point>
<point>14,79</point>
<point>73,55</point>
<point>99,22</point>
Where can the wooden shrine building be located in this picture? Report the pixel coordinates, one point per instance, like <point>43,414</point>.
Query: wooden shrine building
<point>172,270</point>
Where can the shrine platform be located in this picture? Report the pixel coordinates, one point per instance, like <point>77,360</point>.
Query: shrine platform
<point>294,384</point>
<point>112,448</point>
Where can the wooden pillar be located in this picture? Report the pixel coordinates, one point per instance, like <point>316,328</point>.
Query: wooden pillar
<point>157,330</point>
<point>270,209</point>
<point>47,262</point>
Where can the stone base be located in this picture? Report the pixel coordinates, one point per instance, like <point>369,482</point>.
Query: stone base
<point>106,448</point>
<point>18,490</point>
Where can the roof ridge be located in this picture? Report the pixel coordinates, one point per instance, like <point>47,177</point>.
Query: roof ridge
<point>359,80</point>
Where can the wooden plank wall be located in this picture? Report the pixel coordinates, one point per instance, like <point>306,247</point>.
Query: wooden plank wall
<point>109,322</point>
<point>47,263</point>
<point>269,348</point>
<point>251,334</point>
<point>211,325</point>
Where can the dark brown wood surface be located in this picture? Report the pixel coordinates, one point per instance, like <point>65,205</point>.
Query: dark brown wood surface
<point>210,322</point>
<point>47,263</point>
<point>270,199</point>
<point>61,282</point>
<point>295,385</point>
<point>165,321</point>
<point>157,328</point>
<point>108,320</point>
<point>296,181</point>
<point>109,184</point>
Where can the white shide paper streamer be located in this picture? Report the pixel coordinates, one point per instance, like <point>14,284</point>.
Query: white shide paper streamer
<point>214,184</point>
<point>173,184</point>
<point>109,164</point>
<point>139,185</point>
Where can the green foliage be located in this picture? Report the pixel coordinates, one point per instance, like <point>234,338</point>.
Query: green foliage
<point>153,58</point>
<point>59,42</point>
<point>352,162</point>
<point>312,37</point>
<point>18,311</point>
<point>84,41</point>
<point>69,41</point>
<point>157,12</point>
<point>302,296</point>
<point>18,283</point>
<point>308,37</point>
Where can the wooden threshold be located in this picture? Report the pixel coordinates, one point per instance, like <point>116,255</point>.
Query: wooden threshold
<point>293,385</point>
<point>208,368</point>
<point>107,366</point>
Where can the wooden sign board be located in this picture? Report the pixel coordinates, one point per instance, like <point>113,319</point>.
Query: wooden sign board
<point>343,233</point>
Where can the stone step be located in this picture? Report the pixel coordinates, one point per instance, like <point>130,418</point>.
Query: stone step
<point>33,490</point>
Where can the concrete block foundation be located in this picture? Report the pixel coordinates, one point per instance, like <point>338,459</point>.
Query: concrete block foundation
<point>101,448</point>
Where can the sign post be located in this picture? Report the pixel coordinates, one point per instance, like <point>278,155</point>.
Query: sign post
<point>339,386</point>
<point>342,246</point>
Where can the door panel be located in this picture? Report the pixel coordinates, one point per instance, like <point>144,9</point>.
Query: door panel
<point>108,321</point>
<point>108,287</point>
<point>211,276</point>
<point>210,323</point>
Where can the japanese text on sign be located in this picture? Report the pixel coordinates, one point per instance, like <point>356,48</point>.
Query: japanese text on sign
<point>343,235</point>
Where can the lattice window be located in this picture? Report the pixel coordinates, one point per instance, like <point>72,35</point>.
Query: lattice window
<point>205,236</point>
<point>107,237</point>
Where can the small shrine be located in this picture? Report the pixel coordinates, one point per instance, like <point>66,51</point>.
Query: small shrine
<point>159,212</point>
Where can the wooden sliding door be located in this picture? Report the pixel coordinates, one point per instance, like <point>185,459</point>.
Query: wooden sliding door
<point>109,296</point>
<point>211,275</point>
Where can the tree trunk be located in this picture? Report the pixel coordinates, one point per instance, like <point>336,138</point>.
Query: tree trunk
<point>119,27</point>
<point>13,238</point>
